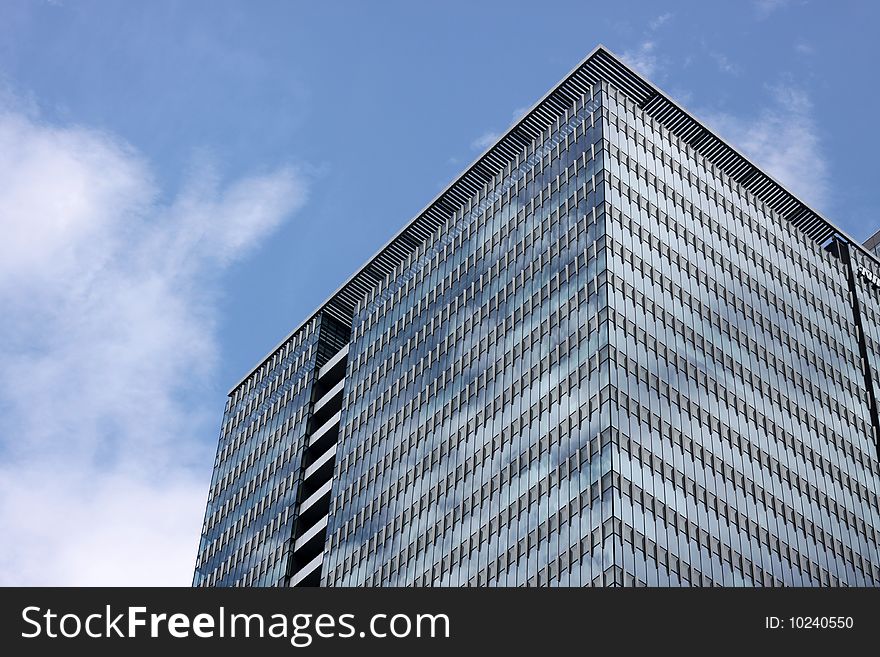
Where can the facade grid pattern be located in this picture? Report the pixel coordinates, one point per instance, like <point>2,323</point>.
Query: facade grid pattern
<point>615,363</point>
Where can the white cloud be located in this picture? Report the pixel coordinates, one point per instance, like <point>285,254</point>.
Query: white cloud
<point>660,21</point>
<point>517,114</point>
<point>724,64</point>
<point>107,339</point>
<point>643,59</point>
<point>766,7</point>
<point>489,137</point>
<point>783,140</point>
<point>485,140</point>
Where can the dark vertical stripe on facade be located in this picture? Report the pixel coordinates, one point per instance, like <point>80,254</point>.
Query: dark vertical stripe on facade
<point>843,251</point>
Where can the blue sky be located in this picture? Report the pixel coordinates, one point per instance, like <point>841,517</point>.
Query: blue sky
<point>184,182</point>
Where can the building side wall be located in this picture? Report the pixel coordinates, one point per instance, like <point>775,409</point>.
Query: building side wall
<point>472,449</point>
<point>747,453</point>
<point>246,536</point>
<point>611,366</point>
<point>865,279</point>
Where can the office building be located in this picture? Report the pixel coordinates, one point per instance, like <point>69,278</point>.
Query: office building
<point>612,352</point>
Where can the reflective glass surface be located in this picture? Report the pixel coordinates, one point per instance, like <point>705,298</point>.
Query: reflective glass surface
<point>251,502</point>
<point>745,450</point>
<point>612,365</point>
<point>472,447</point>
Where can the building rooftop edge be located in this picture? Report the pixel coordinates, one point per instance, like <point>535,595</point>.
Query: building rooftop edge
<point>872,242</point>
<point>600,64</point>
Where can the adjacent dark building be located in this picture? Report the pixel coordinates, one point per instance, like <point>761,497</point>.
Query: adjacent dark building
<point>612,352</point>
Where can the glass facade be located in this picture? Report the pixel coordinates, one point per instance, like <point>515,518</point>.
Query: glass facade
<point>610,363</point>
<point>471,430</point>
<point>744,440</point>
<point>258,471</point>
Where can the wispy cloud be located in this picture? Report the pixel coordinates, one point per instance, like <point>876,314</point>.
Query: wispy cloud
<point>724,64</point>
<point>489,137</point>
<point>517,114</point>
<point>107,341</point>
<point>660,21</point>
<point>485,140</point>
<point>643,57</point>
<point>766,7</point>
<point>783,139</point>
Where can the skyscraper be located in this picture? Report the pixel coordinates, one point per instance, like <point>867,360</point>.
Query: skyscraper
<point>612,352</point>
